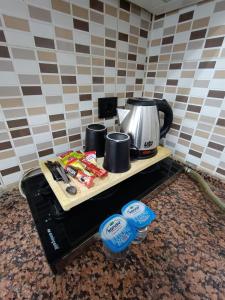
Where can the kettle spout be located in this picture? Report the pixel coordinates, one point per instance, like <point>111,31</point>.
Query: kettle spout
<point>122,113</point>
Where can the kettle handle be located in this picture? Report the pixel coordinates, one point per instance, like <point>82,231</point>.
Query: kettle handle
<point>164,106</point>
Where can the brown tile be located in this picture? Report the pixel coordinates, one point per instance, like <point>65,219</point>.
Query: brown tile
<point>135,9</point>
<point>23,54</point>
<point>48,68</point>
<point>97,5</point>
<point>123,36</point>
<point>183,27</point>
<point>80,24</point>
<point>4,52</point>
<point>68,79</point>
<point>186,16</point>
<point>143,33</point>
<point>139,81</point>
<point>172,82</point>
<point>175,66</point>
<point>198,34</point>
<point>20,132</point>
<point>110,10</point>
<point>44,42</point>
<point>39,13</point>
<point>220,171</point>
<point>195,153</point>
<point>125,5</point>
<point>17,123</point>
<point>121,72</point>
<point>110,63</point>
<point>215,146</point>
<point>123,15</point>
<point>110,43</point>
<point>5,145</point>
<point>31,90</point>
<point>74,137</point>
<point>194,108</point>
<point>86,113</point>
<point>132,57</point>
<point>61,6</point>
<point>82,48</point>
<point>185,136</point>
<point>58,134</point>
<point>80,12</point>
<point>181,98</point>
<point>56,117</point>
<point>11,170</point>
<point>216,94</point>
<point>63,33</point>
<point>199,23</point>
<point>45,152</point>
<point>153,58</point>
<point>2,36</point>
<point>98,80</point>
<point>16,23</point>
<point>167,40</point>
<point>85,97</point>
<point>206,64</point>
<point>216,42</point>
<point>140,67</point>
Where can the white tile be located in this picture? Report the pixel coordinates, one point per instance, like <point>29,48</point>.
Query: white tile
<point>38,120</point>
<point>8,78</point>
<point>34,101</point>
<point>156,33</point>
<point>55,109</point>
<point>73,123</point>
<point>122,26</point>
<point>42,29</point>
<point>193,54</point>
<point>23,67</point>
<point>85,105</point>
<point>81,37</point>
<point>122,46</point>
<point>220,64</point>
<point>71,98</point>
<point>154,51</point>
<point>24,150</point>
<point>198,92</point>
<point>84,79</point>
<point>193,159</point>
<point>110,72</point>
<point>210,111</point>
<point>14,8</point>
<point>204,10</point>
<point>97,29</point>
<point>51,89</point>
<point>84,3</point>
<point>171,20</point>
<point>204,73</point>
<point>135,20</point>
<point>41,3</point>
<point>62,20</point>
<point>61,148</point>
<point>174,74</point>
<point>181,37</point>
<point>199,141</point>
<point>8,162</point>
<point>43,137</point>
<point>216,84</point>
<point>12,178</point>
<point>217,19</point>
<point>111,22</point>
<point>19,38</point>
<point>109,88</point>
<point>66,58</point>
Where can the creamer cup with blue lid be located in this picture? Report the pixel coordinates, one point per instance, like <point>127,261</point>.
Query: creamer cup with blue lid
<point>116,233</point>
<point>138,214</point>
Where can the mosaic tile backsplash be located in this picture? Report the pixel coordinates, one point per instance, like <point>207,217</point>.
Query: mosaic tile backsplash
<point>186,66</point>
<point>58,57</point>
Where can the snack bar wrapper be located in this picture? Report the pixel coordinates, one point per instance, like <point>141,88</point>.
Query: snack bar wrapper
<point>99,172</point>
<point>91,157</point>
<point>88,181</point>
<point>70,155</point>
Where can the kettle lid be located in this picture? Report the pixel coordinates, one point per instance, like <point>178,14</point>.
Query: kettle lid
<point>141,101</point>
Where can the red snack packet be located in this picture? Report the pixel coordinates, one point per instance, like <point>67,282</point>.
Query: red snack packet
<point>88,181</point>
<point>94,169</point>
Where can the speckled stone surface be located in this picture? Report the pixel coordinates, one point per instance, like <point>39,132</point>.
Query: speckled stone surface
<point>183,256</point>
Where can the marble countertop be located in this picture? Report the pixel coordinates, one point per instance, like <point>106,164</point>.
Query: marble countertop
<point>183,256</point>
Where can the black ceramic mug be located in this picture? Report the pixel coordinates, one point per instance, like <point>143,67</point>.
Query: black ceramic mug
<point>95,138</point>
<point>117,152</point>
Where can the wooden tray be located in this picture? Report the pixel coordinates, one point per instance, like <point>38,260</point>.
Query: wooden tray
<point>68,201</point>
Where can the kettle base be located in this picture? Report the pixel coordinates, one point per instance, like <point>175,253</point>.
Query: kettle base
<point>143,154</point>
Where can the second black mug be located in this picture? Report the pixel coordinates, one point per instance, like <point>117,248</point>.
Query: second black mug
<point>95,138</point>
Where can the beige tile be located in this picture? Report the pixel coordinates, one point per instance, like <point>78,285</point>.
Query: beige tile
<point>220,74</point>
<point>110,10</point>
<point>184,142</point>
<point>179,47</point>
<point>199,23</point>
<point>53,99</point>
<point>210,53</point>
<point>216,31</point>
<point>9,91</point>
<point>83,60</point>
<point>6,154</point>
<point>58,126</point>
<point>202,134</point>
<point>65,46</point>
<point>192,116</point>
<point>207,166</point>
<point>96,40</point>
<point>46,56</point>
<point>219,130</point>
<point>39,13</point>
<point>183,91</point>
<point>164,57</point>
<point>170,89</point>
<point>65,69</point>
<point>197,147</point>
<point>98,71</point>
<point>63,33</point>
<point>23,53</point>
<point>40,129</point>
<point>69,89</point>
<point>183,27</point>
<point>11,103</point>
<point>28,157</point>
<point>80,12</point>
<point>29,79</point>
<point>60,141</point>
<point>96,17</point>
<point>84,70</point>
<point>16,23</point>
<point>32,111</point>
<point>61,6</point>
<point>23,141</point>
<point>30,165</point>
<point>84,89</point>
<point>222,53</point>
<point>76,143</point>
<point>141,50</point>
<point>69,107</point>
<point>124,16</point>
<point>133,39</point>
<point>97,61</point>
<point>110,80</point>
<point>201,83</point>
<point>50,79</point>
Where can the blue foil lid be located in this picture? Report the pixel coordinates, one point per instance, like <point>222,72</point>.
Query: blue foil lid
<point>116,233</point>
<point>138,214</point>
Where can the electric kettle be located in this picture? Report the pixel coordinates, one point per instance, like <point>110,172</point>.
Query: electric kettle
<point>140,119</point>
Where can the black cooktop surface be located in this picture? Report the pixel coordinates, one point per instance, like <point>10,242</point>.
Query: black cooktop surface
<point>60,232</point>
